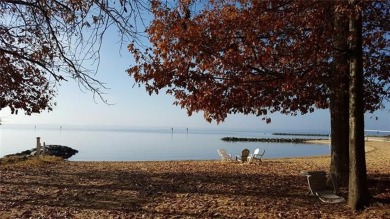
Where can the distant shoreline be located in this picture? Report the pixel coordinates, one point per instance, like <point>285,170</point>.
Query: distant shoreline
<point>300,134</point>
<point>319,141</point>
<point>368,146</point>
<point>368,139</point>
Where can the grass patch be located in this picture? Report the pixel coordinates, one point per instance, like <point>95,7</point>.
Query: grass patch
<point>23,161</point>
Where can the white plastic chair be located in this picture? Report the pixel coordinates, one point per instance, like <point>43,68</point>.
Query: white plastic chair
<point>256,156</point>
<point>224,155</point>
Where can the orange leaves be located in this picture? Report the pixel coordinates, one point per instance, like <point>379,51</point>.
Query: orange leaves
<point>244,57</point>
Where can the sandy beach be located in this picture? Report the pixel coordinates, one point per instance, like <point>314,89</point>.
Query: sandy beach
<point>53,188</point>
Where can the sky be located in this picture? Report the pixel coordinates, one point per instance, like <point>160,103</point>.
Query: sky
<point>131,106</point>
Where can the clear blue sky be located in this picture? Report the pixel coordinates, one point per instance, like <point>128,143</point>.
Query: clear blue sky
<point>135,108</point>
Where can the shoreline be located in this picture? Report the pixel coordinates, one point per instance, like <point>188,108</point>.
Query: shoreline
<point>368,142</point>
<point>308,141</point>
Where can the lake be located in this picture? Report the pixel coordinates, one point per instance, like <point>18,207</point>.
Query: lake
<point>149,144</point>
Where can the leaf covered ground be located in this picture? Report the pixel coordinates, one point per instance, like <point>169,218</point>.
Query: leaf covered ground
<point>53,188</point>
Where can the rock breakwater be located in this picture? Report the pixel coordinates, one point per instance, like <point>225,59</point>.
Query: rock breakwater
<point>272,140</point>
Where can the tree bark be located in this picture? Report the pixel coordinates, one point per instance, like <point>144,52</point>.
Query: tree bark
<point>339,165</point>
<point>358,194</point>
<point>339,101</point>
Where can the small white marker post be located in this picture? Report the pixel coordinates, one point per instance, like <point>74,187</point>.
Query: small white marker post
<point>38,151</point>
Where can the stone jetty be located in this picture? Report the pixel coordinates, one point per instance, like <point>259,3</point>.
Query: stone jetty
<point>271,140</point>
<point>64,152</point>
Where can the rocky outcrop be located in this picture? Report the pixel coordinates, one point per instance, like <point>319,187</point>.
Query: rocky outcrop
<point>64,152</point>
<point>275,140</point>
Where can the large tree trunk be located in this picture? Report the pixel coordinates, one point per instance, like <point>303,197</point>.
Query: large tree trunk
<point>358,194</point>
<point>339,164</point>
<point>339,101</point>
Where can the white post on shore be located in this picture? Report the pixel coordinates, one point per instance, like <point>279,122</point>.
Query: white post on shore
<point>44,149</point>
<point>38,151</point>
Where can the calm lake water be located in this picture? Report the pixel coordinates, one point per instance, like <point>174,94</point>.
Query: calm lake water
<point>136,144</point>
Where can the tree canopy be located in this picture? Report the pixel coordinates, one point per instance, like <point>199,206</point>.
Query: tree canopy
<point>256,57</point>
<point>45,42</point>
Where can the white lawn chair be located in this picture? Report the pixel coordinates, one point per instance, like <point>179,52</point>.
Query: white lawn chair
<point>256,156</point>
<point>224,155</point>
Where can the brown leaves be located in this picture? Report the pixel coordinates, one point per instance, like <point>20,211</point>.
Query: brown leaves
<point>252,57</point>
<point>221,62</point>
<point>42,42</point>
<point>22,86</point>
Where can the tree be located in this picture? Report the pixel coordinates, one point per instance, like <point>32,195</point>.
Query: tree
<point>339,97</point>
<point>375,60</point>
<point>223,55</point>
<point>262,57</point>
<point>43,43</point>
<point>358,194</point>
<point>259,57</point>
